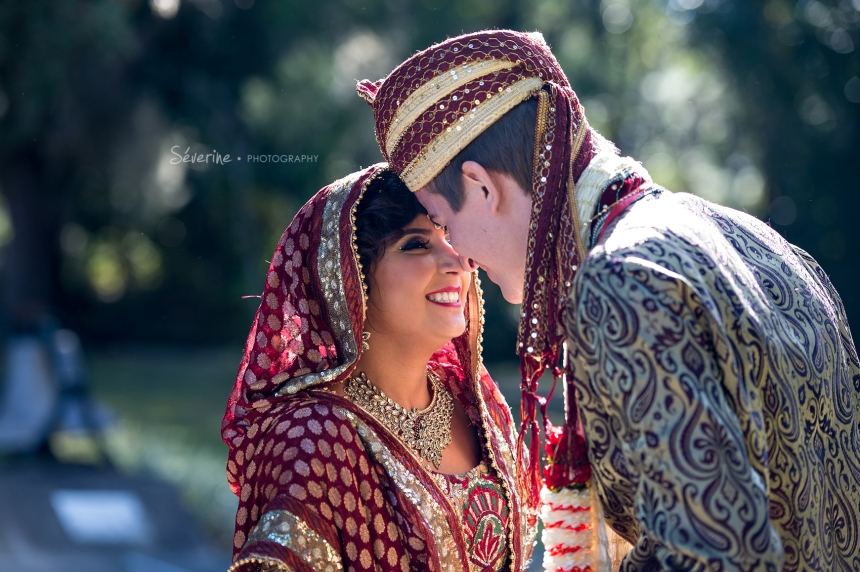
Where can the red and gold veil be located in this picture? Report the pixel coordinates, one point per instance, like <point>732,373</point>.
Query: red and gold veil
<point>307,333</point>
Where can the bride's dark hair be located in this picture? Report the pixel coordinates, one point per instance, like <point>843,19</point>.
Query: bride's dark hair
<point>380,217</point>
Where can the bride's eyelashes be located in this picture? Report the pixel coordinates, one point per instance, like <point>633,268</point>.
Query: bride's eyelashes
<point>415,244</point>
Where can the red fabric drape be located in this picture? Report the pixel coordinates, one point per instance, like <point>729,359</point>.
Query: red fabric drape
<point>306,334</point>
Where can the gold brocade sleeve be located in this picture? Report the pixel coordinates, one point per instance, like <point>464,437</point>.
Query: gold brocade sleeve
<point>719,389</point>
<point>294,534</point>
<point>657,417</point>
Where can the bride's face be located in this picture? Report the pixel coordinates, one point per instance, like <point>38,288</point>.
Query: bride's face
<point>418,287</point>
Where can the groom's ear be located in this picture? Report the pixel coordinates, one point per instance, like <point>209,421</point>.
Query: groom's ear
<point>479,183</point>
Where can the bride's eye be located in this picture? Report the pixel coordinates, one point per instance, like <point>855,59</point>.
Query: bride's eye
<point>415,245</point>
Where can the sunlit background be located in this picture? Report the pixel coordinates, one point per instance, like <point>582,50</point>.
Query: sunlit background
<point>104,233</point>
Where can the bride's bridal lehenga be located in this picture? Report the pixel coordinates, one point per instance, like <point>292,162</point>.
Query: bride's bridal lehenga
<point>331,474</point>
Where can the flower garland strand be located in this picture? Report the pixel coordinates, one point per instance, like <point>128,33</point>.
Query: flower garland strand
<point>572,523</point>
<point>568,530</point>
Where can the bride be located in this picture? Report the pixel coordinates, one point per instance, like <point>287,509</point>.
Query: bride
<point>364,432</point>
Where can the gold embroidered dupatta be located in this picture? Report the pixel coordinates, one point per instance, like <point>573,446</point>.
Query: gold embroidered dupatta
<point>311,467</point>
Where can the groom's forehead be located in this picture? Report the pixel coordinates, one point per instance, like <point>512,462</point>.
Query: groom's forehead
<point>434,204</point>
<point>429,201</point>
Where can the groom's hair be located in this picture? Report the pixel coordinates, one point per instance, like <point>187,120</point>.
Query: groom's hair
<point>506,147</point>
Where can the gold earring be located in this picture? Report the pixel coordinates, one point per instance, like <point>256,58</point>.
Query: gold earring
<point>364,337</point>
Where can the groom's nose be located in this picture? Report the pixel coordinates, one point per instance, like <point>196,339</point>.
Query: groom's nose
<point>468,264</point>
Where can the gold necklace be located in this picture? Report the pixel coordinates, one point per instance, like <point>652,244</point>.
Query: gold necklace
<point>427,432</point>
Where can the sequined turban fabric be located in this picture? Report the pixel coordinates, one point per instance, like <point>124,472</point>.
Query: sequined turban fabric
<point>429,109</point>
<point>434,104</point>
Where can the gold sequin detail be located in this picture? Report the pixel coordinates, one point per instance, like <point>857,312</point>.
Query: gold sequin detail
<point>445,146</point>
<point>434,90</point>
<point>290,531</point>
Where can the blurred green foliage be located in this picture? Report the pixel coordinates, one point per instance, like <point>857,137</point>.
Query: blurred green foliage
<point>749,103</point>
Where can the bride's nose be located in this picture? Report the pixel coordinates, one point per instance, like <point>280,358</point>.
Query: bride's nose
<point>453,262</point>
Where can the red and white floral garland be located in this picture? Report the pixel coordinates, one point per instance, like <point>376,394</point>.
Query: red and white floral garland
<point>571,536</point>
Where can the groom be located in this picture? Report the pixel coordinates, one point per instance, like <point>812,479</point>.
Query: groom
<point>714,403</point>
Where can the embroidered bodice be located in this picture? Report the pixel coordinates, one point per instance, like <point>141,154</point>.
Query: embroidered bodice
<point>479,502</point>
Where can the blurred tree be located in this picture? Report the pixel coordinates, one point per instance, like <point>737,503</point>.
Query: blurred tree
<point>796,67</point>
<point>61,101</point>
<point>749,104</point>
<point>131,243</point>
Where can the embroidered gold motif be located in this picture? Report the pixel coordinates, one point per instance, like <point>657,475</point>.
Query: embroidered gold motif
<point>454,139</point>
<point>476,312</point>
<point>427,431</point>
<point>288,530</point>
<point>460,489</point>
<point>434,90</point>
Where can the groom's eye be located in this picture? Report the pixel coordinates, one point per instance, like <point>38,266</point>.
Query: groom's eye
<point>437,224</point>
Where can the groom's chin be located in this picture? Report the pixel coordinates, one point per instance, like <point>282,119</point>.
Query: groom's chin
<point>512,295</point>
<point>511,292</point>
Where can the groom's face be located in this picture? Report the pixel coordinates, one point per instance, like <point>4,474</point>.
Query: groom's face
<point>490,229</point>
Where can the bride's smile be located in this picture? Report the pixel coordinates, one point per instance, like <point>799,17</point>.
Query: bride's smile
<point>446,296</point>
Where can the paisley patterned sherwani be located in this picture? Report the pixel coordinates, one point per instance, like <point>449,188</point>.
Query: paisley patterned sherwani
<point>715,376</point>
<point>719,390</point>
